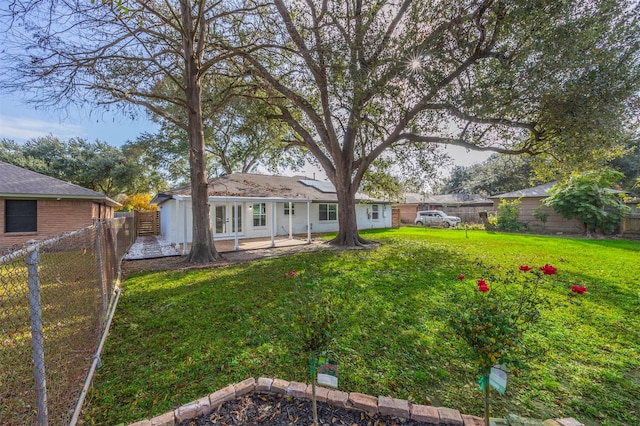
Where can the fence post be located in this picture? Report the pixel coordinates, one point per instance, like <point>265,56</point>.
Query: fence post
<point>103,290</point>
<point>37,339</point>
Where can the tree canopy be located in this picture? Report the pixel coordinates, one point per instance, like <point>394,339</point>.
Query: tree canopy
<point>497,175</point>
<point>358,80</point>
<point>120,55</point>
<point>93,165</point>
<point>239,136</point>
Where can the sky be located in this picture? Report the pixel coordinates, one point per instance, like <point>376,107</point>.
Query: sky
<point>20,122</point>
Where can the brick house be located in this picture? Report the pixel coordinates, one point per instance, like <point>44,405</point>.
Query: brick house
<point>530,200</point>
<point>465,206</point>
<point>35,206</point>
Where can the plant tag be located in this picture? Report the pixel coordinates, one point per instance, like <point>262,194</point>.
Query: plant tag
<point>498,378</point>
<point>327,372</point>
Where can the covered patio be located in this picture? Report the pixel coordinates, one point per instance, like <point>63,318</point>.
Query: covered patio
<point>154,246</point>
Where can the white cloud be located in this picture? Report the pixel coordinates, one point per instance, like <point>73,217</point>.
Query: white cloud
<point>22,129</point>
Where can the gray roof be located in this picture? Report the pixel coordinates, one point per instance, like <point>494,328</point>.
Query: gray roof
<point>542,191</point>
<point>457,199</point>
<point>264,186</point>
<point>413,198</point>
<point>539,191</point>
<point>18,182</point>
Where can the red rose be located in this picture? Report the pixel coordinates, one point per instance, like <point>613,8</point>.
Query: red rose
<point>525,268</point>
<point>580,289</point>
<point>461,277</point>
<point>483,288</point>
<point>482,282</point>
<point>548,269</point>
<point>293,274</point>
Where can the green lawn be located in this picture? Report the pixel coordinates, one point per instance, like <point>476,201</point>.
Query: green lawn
<point>181,335</point>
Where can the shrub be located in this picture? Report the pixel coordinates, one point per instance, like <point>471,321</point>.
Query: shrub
<point>492,317</point>
<point>508,215</point>
<point>587,197</point>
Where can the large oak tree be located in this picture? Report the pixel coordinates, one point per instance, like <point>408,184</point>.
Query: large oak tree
<point>117,53</point>
<point>357,80</point>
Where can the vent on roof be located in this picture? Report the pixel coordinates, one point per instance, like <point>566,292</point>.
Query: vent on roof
<point>326,187</point>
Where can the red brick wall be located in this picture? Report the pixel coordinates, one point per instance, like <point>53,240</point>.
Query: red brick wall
<point>55,217</point>
<point>407,212</point>
<point>101,211</point>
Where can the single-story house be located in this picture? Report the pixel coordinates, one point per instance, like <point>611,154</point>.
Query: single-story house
<point>35,206</point>
<point>244,205</point>
<point>530,200</point>
<point>465,206</point>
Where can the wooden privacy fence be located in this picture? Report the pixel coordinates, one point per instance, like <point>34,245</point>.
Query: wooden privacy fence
<point>631,225</point>
<point>147,223</point>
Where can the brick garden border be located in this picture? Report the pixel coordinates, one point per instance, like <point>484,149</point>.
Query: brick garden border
<point>383,405</point>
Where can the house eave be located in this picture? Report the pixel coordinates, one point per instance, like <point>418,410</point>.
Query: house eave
<point>104,200</point>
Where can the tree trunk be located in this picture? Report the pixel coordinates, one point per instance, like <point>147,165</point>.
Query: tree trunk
<point>348,226</point>
<point>202,247</point>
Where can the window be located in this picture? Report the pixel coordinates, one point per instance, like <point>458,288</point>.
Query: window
<point>259,214</point>
<point>20,216</point>
<point>286,209</point>
<point>328,212</point>
<point>375,212</point>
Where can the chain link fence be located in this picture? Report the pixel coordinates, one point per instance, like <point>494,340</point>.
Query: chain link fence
<point>55,298</point>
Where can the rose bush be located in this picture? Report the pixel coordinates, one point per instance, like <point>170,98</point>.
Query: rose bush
<point>492,319</point>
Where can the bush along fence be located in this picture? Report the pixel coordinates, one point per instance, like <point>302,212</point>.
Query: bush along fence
<point>56,301</point>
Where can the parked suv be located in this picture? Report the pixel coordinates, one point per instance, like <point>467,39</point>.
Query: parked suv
<point>436,218</point>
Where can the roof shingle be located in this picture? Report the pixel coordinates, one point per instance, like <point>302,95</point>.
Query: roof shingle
<point>17,181</point>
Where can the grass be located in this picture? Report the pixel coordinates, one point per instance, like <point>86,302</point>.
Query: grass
<point>180,335</point>
<point>71,321</point>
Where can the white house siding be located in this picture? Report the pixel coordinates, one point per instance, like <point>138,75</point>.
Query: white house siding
<point>167,219</point>
<point>173,217</point>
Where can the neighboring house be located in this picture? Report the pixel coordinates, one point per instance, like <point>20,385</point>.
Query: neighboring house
<point>530,200</point>
<point>465,206</point>
<point>246,205</point>
<point>409,207</point>
<point>35,206</point>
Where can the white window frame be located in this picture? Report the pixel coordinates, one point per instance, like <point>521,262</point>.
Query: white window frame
<point>375,212</point>
<point>259,214</point>
<point>331,209</point>
<point>286,209</point>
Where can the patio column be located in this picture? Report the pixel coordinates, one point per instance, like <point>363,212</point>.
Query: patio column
<point>308,222</point>
<point>273,224</point>
<point>236,245</point>
<point>290,220</point>
<point>184,227</point>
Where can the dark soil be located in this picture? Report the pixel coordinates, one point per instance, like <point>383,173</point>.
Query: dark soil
<point>276,410</point>
<point>229,258</point>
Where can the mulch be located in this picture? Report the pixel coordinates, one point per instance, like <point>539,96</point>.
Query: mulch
<point>278,410</point>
